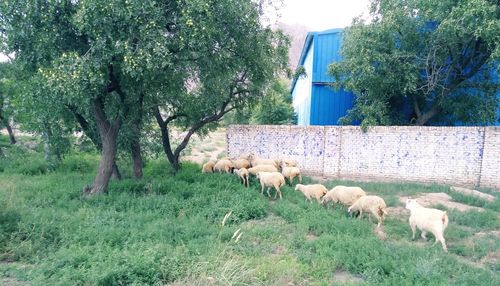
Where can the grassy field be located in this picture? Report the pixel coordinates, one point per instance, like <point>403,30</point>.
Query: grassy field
<point>170,230</point>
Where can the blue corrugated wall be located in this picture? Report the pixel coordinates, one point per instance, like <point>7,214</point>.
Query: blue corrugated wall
<point>329,105</point>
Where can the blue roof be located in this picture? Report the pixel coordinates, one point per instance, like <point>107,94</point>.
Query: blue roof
<point>322,49</point>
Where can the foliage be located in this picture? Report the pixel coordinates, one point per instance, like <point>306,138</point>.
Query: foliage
<point>423,62</point>
<point>274,108</point>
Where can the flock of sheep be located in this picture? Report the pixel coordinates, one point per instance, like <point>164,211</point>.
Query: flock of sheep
<point>272,174</point>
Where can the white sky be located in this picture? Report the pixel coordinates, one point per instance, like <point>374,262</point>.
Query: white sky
<point>322,14</point>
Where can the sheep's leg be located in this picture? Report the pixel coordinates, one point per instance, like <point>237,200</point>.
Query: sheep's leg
<point>262,189</point>
<point>300,179</point>
<point>423,235</point>
<point>360,214</point>
<point>268,194</point>
<point>246,182</point>
<point>413,230</point>
<point>379,219</point>
<point>277,191</point>
<point>443,243</point>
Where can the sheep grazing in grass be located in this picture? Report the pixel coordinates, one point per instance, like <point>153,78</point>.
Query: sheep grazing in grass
<point>241,163</point>
<point>243,174</point>
<point>427,220</point>
<point>262,168</point>
<point>291,173</point>
<point>224,165</point>
<point>208,167</point>
<point>315,191</point>
<point>254,161</point>
<point>271,179</point>
<point>371,204</point>
<point>344,195</point>
<point>288,162</point>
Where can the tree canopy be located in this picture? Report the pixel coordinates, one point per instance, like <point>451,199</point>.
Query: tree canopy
<point>423,62</point>
<point>110,68</point>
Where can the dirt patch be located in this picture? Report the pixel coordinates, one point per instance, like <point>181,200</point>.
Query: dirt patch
<point>278,250</point>
<point>341,276</point>
<point>474,193</point>
<point>432,199</point>
<point>202,149</point>
<point>311,237</point>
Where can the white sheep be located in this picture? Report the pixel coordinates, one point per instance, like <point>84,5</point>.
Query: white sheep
<point>254,161</point>
<point>241,163</point>
<point>344,195</point>
<point>224,165</point>
<point>372,204</point>
<point>262,168</point>
<point>288,162</point>
<point>271,179</point>
<point>208,167</point>
<point>312,191</point>
<point>243,174</point>
<point>427,220</point>
<point>291,173</point>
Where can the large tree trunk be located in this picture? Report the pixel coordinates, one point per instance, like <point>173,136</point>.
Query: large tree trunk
<point>135,148</point>
<point>108,133</point>
<point>94,137</point>
<point>115,173</point>
<point>135,145</point>
<point>165,138</point>
<point>11,134</point>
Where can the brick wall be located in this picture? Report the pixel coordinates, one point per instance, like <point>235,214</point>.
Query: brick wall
<point>467,156</point>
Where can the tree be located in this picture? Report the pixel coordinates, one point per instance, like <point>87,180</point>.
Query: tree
<point>275,107</point>
<point>227,59</point>
<point>423,62</point>
<point>7,90</point>
<point>100,65</point>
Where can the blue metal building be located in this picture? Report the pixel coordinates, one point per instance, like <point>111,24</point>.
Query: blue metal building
<point>314,101</point>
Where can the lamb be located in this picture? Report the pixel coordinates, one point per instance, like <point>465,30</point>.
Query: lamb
<point>224,165</point>
<point>312,191</point>
<point>262,168</point>
<point>291,173</point>
<point>208,167</point>
<point>254,161</point>
<point>243,174</point>
<point>241,163</point>
<point>344,195</point>
<point>271,179</point>
<point>373,204</point>
<point>427,220</point>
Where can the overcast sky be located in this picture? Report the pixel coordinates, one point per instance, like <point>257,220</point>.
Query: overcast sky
<point>322,14</point>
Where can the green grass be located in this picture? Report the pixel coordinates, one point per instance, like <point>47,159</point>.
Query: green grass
<point>167,228</point>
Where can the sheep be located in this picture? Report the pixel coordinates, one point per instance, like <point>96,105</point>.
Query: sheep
<point>427,220</point>
<point>271,179</point>
<point>243,174</point>
<point>254,161</point>
<point>289,162</point>
<point>312,191</point>
<point>291,173</point>
<point>224,165</point>
<point>344,195</point>
<point>241,163</point>
<point>373,204</point>
<point>208,167</point>
<point>262,168</point>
